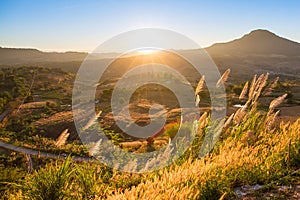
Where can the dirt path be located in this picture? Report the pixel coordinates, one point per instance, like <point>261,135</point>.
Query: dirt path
<point>4,113</point>
<point>42,154</point>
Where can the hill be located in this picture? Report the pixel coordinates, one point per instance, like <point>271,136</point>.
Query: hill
<point>258,43</point>
<point>259,51</point>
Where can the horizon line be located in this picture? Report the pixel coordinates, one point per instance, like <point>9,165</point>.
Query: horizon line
<point>88,51</point>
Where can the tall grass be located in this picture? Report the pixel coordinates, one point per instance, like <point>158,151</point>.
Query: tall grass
<point>253,149</point>
<point>52,183</point>
<point>246,156</point>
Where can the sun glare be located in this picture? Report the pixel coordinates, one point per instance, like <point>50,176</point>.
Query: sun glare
<point>147,51</point>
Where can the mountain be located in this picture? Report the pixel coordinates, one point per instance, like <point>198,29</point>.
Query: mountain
<point>14,56</point>
<point>259,51</point>
<point>69,61</point>
<point>257,43</point>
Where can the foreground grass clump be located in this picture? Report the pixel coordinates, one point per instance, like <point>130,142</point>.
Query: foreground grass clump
<point>70,180</point>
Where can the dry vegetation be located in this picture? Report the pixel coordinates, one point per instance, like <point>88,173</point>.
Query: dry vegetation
<point>254,147</point>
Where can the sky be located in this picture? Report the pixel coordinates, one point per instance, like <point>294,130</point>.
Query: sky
<point>69,25</point>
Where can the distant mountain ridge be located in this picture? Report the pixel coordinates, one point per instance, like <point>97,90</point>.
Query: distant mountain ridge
<point>257,42</point>
<point>19,56</point>
<point>259,51</point>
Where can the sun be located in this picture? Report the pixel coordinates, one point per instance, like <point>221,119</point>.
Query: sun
<point>147,51</point>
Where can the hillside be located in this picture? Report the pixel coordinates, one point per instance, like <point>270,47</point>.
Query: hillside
<point>256,155</point>
<point>257,43</point>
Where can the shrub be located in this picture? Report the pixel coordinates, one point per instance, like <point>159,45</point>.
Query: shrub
<point>51,183</point>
